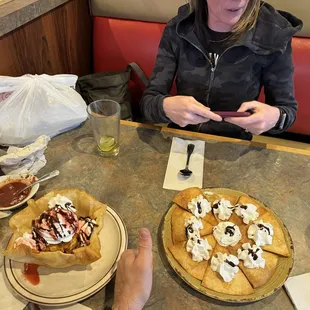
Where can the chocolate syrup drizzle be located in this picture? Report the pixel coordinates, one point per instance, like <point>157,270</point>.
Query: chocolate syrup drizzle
<point>230,263</point>
<point>40,241</point>
<point>261,227</point>
<point>230,230</point>
<point>199,207</point>
<point>68,206</point>
<point>252,252</point>
<point>50,219</point>
<point>216,206</point>
<point>56,230</point>
<point>83,236</point>
<point>188,230</point>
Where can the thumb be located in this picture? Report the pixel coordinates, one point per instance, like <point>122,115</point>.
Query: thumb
<point>145,244</point>
<point>245,106</point>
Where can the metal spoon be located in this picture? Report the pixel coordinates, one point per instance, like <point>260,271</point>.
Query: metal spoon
<point>186,172</point>
<point>42,179</point>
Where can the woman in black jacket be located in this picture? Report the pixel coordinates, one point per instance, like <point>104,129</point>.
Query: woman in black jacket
<point>221,53</point>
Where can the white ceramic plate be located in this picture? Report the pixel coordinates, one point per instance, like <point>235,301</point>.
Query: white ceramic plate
<point>33,191</point>
<point>60,287</point>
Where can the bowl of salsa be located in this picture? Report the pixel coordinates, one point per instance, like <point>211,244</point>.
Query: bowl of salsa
<point>11,190</point>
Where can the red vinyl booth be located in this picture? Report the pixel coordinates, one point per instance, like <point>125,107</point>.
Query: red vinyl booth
<point>117,42</point>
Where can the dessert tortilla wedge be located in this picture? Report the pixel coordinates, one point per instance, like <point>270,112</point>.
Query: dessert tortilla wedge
<point>179,216</point>
<point>244,239</point>
<point>260,276</point>
<point>184,197</point>
<point>20,223</point>
<point>231,198</point>
<point>278,245</point>
<point>213,280</point>
<point>243,200</point>
<point>195,269</point>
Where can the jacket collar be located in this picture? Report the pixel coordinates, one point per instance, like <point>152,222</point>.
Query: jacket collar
<point>273,30</point>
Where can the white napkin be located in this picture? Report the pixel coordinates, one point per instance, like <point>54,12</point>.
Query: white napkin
<point>10,302</point>
<point>29,159</point>
<point>177,160</point>
<point>298,289</point>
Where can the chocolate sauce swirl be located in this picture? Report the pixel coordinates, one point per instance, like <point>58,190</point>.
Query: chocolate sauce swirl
<point>230,230</point>
<point>261,227</point>
<point>253,253</point>
<point>49,222</point>
<point>199,207</point>
<point>40,241</point>
<point>84,234</point>
<point>189,230</point>
<point>230,263</point>
<point>216,206</point>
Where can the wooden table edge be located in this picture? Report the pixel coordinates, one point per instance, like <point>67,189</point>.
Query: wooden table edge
<point>203,136</point>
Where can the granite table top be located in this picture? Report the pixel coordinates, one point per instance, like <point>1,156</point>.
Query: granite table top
<point>132,184</point>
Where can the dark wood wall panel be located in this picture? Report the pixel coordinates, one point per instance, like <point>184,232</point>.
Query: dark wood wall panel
<point>57,42</point>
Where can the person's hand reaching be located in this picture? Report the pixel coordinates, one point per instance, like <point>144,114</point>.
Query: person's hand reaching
<point>134,275</point>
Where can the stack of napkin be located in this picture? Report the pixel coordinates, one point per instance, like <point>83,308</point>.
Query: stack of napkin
<point>298,289</point>
<point>177,161</point>
<point>29,159</point>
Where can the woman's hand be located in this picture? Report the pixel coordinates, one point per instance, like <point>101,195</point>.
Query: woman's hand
<point>134,275</point>
<point>185,110</point>
<point>264,117</point>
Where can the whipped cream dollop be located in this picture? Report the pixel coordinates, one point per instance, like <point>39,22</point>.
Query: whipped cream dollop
<point>247,212</point>
<point>199,206</point>
<point>227,233</point>
<point>225,265</point>
<point>261,233</point>
<point>223,209</point>
<point>251,256</point>
<point>85,229</point>
<point>61,202</point>
<point>192,226</point>
<point>59,224</point>
<point>199,248</point>
<point>55,226</point>
<point>26,240</point>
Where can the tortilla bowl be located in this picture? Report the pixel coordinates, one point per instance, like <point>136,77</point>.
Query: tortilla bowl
<point>86,206</point>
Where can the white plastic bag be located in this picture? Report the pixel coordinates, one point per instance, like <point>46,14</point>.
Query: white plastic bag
<point>35,105</point>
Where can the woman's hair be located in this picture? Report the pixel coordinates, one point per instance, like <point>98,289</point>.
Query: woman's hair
<point>246,22</point>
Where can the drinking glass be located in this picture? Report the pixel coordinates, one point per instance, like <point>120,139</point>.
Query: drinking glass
<point>104,117</point>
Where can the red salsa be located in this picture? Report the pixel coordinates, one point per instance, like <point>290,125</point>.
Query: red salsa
<point>10,194</point>
<point>31,273</point>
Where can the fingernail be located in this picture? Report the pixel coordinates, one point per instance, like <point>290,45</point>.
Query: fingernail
<point>144,233</point>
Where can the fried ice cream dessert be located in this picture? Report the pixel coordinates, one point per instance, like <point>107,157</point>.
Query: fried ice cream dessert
<point>63,230</point>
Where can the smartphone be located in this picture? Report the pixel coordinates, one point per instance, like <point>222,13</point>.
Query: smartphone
<point>232,114</point>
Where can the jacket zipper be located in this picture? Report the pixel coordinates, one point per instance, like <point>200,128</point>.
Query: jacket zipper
<point>213,68</point>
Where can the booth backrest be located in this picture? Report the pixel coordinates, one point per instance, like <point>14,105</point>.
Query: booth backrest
<point>126,31</point>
